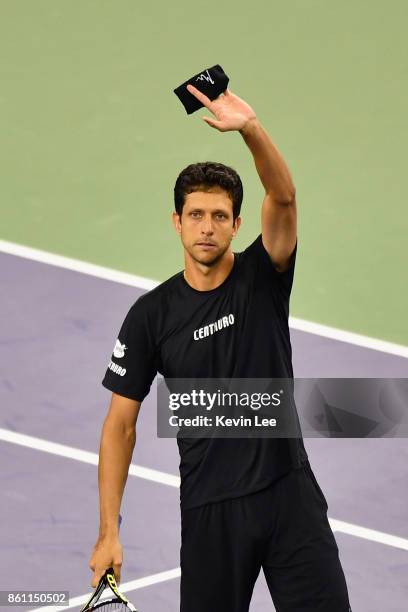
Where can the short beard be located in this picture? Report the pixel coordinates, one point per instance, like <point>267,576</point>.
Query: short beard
<point>212,262</point>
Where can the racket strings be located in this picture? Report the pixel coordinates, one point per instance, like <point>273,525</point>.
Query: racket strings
<point>111,607</point>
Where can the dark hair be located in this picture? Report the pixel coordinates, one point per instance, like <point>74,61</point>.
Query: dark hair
<point>202,176</point>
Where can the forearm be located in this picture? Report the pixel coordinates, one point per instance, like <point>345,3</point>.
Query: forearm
<point>271,167</point>
<point>115,455</point>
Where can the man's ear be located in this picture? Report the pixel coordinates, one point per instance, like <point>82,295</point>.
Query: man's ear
<point>235,227</point>
<point>177,222</point>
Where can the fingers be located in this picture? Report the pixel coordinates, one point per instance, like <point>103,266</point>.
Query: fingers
<point>116,570</point>
<point>199,95</point>
<point>106,553</point>
<point>96,578</point>
<point>100,572</point>
<point>213,123</point>
<point>117,566</point>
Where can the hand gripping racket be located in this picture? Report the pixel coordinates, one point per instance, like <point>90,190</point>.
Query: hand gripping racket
<point>118,603</point>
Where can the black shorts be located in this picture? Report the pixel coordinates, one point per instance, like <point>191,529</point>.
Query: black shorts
<point>283,529</point>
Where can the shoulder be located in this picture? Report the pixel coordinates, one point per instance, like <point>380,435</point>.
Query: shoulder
<point>253,252</point>
<point>257,259</point>
<point>151,301</point>
<point>256,251</point>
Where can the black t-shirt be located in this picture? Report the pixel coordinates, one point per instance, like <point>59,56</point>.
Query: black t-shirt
<point>175,330</point>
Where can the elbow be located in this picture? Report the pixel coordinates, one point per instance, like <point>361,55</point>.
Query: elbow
<point>117,428</point>
<point>289,199</point>
<point>130,435</point>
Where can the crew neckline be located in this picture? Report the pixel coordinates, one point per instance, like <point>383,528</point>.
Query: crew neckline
<point>209,291</point>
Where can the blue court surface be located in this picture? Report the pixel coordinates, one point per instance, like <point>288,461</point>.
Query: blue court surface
<point>58,328</point>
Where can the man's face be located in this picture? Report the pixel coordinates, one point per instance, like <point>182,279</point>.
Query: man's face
<point>206,225</point>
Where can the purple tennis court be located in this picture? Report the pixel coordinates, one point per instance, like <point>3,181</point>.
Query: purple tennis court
<point>58,330</point>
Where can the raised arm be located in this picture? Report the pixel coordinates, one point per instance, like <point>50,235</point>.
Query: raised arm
<point>118,439</point>
<point>279,214</point>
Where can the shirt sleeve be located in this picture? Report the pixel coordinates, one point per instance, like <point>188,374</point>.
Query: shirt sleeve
<point>132,367</point>
<point>267,270</point>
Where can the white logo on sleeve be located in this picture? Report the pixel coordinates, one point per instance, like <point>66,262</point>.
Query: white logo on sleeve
<point>116,368</point>
<point>119,349</point>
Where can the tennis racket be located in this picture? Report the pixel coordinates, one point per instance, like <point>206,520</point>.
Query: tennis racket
<point>117,603</point>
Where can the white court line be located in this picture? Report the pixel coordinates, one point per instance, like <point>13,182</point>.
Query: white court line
<point>369,534</point>
<point>76,265</point>
<point>174,481</point>
<point>161,477</point>
<point>117,276</point>
<point>350,337</point>
<point>85,456</point>
<point>139,583</point>
<point>348,528</point>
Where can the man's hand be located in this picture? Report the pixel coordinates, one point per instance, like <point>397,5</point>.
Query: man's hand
<point>107,553</point>
<point>231,112</point>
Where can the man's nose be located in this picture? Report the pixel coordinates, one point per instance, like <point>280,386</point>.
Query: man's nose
<point>207,226</point>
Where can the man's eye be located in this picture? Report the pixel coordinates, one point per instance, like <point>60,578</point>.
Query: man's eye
<point>195,214</point>
<point>220,216</point>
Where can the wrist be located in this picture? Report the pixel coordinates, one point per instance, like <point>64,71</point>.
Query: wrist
<point>251,125</point>
<point>108,534</point>
<point>108,529</point>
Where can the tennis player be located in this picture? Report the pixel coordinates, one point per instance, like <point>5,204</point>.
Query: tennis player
<point>246,503</point>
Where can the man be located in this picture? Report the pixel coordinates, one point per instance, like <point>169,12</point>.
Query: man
<point>245,503</point>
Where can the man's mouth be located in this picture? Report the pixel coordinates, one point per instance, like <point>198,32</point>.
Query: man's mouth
<point>206,245</point>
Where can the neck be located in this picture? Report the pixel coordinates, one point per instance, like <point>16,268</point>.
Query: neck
<point>205,278</point>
